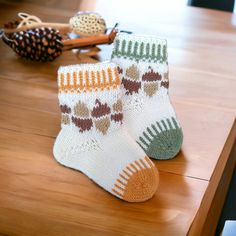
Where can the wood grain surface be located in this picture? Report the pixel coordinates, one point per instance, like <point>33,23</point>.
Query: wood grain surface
<point>38,196</point>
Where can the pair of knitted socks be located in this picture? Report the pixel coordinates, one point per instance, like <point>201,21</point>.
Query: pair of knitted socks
<point>107,108</point>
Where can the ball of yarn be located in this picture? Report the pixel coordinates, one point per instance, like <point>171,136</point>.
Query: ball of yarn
<point>87,24</point>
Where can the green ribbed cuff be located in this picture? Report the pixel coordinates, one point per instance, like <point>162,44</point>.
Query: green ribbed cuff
<point>140,48</point>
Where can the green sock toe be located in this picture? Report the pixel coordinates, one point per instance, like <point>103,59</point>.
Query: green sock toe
<point>162,140</point>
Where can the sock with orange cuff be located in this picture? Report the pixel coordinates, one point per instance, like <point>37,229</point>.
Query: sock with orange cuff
<point>92,138</point>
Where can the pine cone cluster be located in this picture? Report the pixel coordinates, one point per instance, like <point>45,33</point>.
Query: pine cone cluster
<point>40,44</point>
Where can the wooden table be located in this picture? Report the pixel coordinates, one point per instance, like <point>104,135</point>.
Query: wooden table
<point>40,197</point>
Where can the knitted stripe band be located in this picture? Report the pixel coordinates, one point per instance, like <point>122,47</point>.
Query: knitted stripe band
<point>140,48</point>
<point>148,113</point>
<point>92,139</point>
<point>87,78</point>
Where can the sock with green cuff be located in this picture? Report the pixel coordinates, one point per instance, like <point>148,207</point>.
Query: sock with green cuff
<point>148,113</point>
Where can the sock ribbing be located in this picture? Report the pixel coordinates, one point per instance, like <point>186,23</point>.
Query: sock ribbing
<point>140,48</point>
<point>88,77</point>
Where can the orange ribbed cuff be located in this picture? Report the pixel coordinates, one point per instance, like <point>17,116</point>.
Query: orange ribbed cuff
<point>88,77</point>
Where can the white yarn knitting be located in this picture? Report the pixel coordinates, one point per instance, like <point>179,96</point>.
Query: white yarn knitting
<point>142,110</point>
<point>104,155</point>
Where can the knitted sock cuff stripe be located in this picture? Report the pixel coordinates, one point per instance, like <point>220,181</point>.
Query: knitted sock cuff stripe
<point>88,77</point>
<point>140,48</point>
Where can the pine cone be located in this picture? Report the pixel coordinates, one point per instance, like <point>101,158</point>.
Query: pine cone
<point>40,44</point>
<point>11,24</point>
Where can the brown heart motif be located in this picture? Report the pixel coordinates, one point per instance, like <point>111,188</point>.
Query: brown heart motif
<point>83,124</point>
<point>133,73</point>
<point>150,88</point>
<point>102,125</point>
<point>117,107</point>
<point>131,86</point>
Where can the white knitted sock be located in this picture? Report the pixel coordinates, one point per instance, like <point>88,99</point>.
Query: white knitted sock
<point>148,113</point>
<point>92,139</point>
